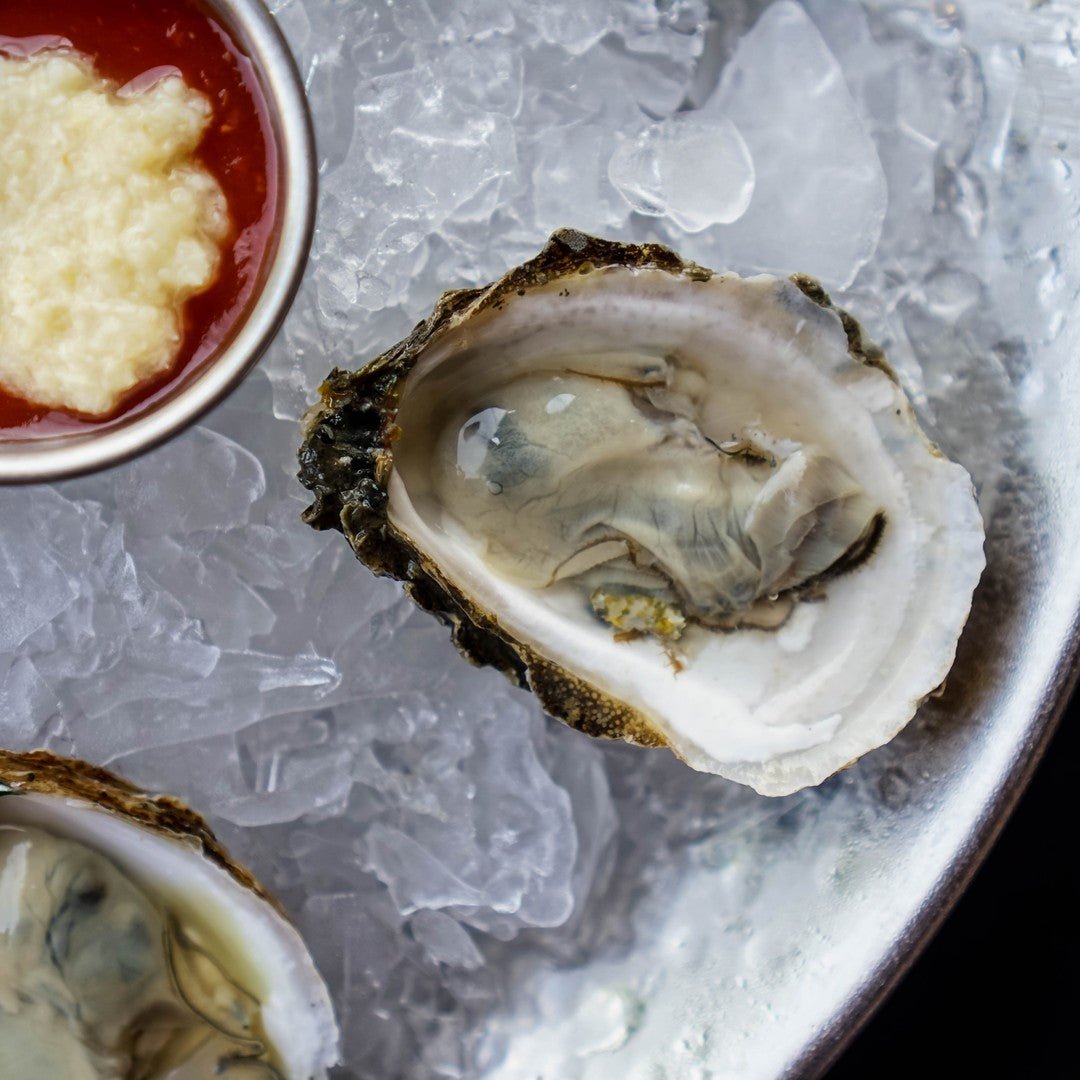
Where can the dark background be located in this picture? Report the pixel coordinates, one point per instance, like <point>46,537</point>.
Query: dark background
<point>996,993</point>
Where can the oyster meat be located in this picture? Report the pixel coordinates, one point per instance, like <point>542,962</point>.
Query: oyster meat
<point>131,946</point>
<point>684,508</point>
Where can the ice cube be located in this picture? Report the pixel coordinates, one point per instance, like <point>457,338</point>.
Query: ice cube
<point>693,169</point>
<point>34,587</point>
<point>819,195</point>
<point>445,940</point>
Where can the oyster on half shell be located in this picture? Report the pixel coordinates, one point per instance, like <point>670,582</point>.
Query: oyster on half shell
<point>132,946</point>
<point>684,508</point>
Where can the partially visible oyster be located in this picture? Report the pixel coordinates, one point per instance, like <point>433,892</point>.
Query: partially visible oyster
<point>684,508</point>
<point>131,946</point>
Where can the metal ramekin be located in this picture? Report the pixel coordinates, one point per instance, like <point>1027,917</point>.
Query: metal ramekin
<point>59,456</point>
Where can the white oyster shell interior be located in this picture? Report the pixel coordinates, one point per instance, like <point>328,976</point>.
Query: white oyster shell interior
<point>690,495</point>
<point>240,931</point>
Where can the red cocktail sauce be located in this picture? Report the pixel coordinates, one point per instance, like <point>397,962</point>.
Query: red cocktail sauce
<point>126,39</point>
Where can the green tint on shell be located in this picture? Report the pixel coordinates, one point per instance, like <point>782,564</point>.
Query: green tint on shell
<point>99,980</point>
<point>128,932</point>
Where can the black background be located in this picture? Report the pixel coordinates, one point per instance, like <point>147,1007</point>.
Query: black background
<point>996,994</point>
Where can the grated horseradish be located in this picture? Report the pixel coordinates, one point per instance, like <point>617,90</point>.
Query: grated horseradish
<point>108,223</point>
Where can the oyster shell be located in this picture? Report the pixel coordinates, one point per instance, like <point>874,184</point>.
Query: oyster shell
<point>131,945</point>
<point>686,509</point>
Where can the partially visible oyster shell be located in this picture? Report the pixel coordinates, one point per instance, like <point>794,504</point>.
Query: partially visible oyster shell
<point>684,508</point>
<point>131,945</point>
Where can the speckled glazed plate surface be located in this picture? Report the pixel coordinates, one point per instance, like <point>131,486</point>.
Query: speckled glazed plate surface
<point>488,893</point>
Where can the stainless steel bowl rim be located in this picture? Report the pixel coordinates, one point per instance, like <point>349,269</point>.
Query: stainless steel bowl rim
<point>31,461</point>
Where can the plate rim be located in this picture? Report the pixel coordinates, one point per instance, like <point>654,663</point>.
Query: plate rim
<point>853,1014</point>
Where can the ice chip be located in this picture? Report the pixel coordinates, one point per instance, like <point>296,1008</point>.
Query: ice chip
<point>694,169</point>
<point>445,940</point>
<point>33,591</point>
<point>569,172</point>
<point>26,702</point>
<point>576,28</point>
<point>820,195</point>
